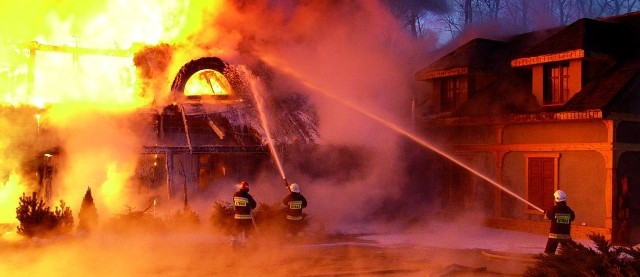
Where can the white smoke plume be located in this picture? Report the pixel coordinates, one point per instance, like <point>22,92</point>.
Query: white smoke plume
<point>354,51</point>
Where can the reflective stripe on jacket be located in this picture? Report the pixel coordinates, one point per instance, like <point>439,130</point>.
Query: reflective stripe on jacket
<point>559,236</point>
<point>294,217</point>
<point>295,203</point>
<point>561,217</point>
<point>242,216</point>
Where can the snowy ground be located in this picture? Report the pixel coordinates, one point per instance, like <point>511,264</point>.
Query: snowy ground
<point>455,236</point>
<point>441,249</point>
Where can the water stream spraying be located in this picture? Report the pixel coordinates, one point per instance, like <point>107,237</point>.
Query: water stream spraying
<point>411,136</point>
<point>256,87</point>
<point>186,128</point>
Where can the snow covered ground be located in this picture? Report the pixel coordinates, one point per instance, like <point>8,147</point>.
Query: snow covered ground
<point>457,236</point>
<point>436,249</point>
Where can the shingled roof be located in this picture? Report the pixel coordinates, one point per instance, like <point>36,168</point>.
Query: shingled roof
<point>476,54</point>
<point>590,35</point>
<point>484,54</point>
<point>611,92</point>
<point>613,89</point>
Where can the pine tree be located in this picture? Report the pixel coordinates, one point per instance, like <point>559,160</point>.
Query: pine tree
<point>34,216</point>
<point>575,259</point>
<point>37,219</point>
<point>88,215</point>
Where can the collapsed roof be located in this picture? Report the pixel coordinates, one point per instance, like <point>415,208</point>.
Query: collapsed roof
<point>229,120</point>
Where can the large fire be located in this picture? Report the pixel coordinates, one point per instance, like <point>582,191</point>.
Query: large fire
<point>68,65</point>
<point>207,82</point>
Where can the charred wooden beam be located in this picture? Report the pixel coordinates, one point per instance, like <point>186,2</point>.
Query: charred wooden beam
<point>36,46</point>
<point>203,149</point>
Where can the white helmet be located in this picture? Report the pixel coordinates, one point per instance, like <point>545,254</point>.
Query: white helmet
<point>294,188</point>
<point>560,196</point>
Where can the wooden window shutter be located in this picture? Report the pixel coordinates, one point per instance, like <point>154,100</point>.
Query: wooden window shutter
<point>541,182</point>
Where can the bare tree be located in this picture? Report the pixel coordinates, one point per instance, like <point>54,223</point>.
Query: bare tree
<point>410,12</point>
<point>623,6</point>
<point>468,12</point>
<point>591,8</point>
<point>514,15</point>
<point>488,9</point>
<point>459,16</point>
<point>517,14</point>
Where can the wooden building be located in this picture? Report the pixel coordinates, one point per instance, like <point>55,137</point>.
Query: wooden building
<point>212,133</point>
<point>208,135</point>
<point>536,112</point>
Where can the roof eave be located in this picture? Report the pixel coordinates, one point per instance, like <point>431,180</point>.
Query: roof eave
<point>427,75</point>
<point>517,118</point>
<point>547,58</point>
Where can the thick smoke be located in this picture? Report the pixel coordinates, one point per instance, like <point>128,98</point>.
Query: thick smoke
<point>55,100</point>
<point>333,51</point>
<point>336,53</point>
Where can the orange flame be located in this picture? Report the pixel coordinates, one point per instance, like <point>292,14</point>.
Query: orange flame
<point>207,82</point>
<point>9,197</point>
<point>74,59</point>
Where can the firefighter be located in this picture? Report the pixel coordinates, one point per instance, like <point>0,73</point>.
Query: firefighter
<point>294,203</point>
<point>243,203</point>
<point>561,217</point>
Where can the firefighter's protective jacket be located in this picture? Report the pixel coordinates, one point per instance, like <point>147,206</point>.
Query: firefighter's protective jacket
<point>243,203</point>
<point>295,203</point>
<point>561,217</point>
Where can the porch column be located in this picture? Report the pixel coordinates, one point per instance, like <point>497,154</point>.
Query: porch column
<point>609,187</point>
<point>610,163</point>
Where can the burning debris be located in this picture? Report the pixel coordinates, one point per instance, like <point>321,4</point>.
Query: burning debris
<point>105,103</point>
<point>214,111</point>
<point>216,119</point>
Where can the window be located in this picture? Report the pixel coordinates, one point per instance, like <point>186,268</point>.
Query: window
<point>449,93</point>
<point>541,177</point>
<point>556,88</point>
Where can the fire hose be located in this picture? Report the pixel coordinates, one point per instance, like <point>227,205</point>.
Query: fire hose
<point>254,221</point>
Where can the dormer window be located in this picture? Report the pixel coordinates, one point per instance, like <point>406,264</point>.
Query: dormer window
<point>449,93</point>
<point>555,77</point>
<point>556,86</point>
<point>452,91</point>
<point>448,88</point>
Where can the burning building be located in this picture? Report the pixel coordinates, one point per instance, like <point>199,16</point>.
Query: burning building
<point>539,111</point>
<point>211,131</point>
<point>206,133</point>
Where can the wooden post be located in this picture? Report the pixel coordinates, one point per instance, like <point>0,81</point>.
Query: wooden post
<point>169,168</point>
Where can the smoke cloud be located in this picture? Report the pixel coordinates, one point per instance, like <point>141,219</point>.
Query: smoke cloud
<point>337,53</point>
<point>332,51</point>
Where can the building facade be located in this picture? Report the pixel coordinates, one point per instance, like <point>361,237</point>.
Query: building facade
<point>536,112</point>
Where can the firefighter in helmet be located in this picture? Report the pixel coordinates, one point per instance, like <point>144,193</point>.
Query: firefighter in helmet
<point>294,203</point>
<point>561,217</point>
<point>243,203</point>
